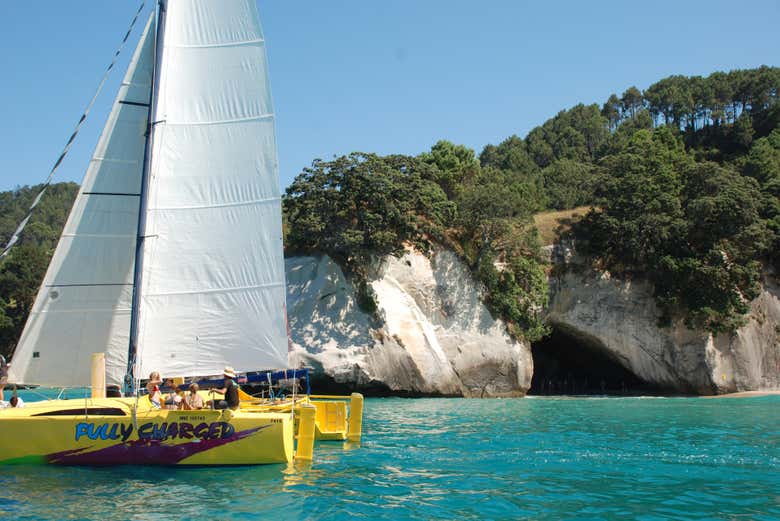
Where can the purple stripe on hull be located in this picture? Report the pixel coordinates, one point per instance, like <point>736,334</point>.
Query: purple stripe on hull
<point>143,452</point>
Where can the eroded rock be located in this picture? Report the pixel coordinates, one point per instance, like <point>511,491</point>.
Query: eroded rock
<point>620,317</point>
<point>431,334</point>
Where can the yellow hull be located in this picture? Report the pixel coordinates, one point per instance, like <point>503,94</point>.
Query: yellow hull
<point>121,431</point>
<point>110,431</point>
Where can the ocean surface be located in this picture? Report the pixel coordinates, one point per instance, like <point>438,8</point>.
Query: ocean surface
<point>531,458</point>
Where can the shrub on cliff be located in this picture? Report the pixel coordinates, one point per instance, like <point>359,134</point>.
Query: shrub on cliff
<point>693,229</point>
<point>358,207</point>
<point>500,243</point>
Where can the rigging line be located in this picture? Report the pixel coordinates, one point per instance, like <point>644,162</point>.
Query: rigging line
<point>15,237</point>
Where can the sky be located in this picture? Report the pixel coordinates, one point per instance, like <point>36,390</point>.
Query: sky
<point>386,77</point>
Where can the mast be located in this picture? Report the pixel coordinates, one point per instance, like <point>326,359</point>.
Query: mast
<point>132,352</point>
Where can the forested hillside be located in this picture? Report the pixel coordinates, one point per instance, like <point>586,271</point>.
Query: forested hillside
<point>683,181</point>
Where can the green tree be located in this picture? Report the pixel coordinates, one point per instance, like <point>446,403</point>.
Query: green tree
<point>722,93</point>
<point>493,201</point>
<point>640,211</point>
<point>632,101</point>
<point>21,274</point>
<point>611,111</point>
<point>619,139</point>
<point>577,134</point>
<point>702,97</point>
<point>569,183</point>
<point>763,164</point>
<point>454,166</point>
<point>47,220</point>
<point>511,154</point>
<point>671,97</point>
<point>742,131</point>
<point>359,206</point>
<point>717,275</point>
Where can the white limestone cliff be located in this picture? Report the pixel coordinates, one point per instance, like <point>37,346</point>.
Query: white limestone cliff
<point>431,334</point>
<point>620,318</point>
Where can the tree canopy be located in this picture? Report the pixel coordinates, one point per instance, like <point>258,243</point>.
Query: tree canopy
<point>358,207</point>
<point>362,205</point>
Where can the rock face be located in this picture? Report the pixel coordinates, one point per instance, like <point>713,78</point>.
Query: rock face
<point>431,334</point>
<point>620,318</point>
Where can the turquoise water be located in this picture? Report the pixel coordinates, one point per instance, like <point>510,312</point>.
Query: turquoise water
<point>533,458</point>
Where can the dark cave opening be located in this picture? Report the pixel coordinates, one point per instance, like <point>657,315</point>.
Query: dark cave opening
<point>567,365</point>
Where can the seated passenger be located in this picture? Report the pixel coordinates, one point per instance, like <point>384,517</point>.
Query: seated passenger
<point>113,391</point>
<point>173,399</point>
<point>153,388</point>
<point>15,401</point>
<point>193,401</point>
<point>230,390</point>
<point>179,398</point>
<point>3,375</point>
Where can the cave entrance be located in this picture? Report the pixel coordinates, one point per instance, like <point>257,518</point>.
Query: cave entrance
<point>566,364</point>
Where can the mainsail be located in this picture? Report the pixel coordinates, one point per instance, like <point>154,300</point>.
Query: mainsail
<point>83,305</point>
<point>212,287</point>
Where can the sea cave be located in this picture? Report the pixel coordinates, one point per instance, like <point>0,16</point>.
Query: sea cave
<point>567,364</point>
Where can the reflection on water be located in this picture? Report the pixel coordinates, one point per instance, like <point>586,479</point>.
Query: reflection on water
<point>620,458</point>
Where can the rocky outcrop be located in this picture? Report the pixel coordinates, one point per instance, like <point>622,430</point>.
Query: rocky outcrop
<point>620,318</point>
<point>430,335</point>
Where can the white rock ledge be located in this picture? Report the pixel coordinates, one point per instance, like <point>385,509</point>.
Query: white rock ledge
<point>621,318</point>
<point>431,336</point>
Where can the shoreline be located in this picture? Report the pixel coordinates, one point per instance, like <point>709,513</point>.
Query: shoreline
<point>745,394</point>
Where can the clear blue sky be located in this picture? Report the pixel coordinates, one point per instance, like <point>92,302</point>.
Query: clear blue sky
<point>393,76</point>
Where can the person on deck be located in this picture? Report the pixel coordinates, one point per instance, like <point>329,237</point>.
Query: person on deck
<point>193,401</point>
<point>3,375</point>
<point>15,401</point>
<point>173,400</point>
<point>153,388</point>
<point>230,390</point>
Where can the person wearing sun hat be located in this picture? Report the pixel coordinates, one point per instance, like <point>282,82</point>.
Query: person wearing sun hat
<point>230,390</point>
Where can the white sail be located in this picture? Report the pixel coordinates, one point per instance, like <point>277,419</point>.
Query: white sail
<point>212,291</point>
<point>83,305</point>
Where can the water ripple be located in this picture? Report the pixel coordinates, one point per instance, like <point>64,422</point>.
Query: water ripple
<point>539,458</point>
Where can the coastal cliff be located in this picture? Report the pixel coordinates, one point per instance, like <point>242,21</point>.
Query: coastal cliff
<point>619,318</point>
<point>430,334</point>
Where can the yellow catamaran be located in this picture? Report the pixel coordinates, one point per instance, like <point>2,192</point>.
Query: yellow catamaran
<point>171,260</point>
